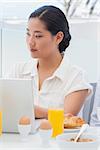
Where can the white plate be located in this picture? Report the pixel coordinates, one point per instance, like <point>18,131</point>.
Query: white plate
<point>72,130</point>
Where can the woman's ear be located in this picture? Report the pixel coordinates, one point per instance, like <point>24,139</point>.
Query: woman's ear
<point>59,37</point>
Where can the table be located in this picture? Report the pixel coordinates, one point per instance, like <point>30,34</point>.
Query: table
<point>10,141</point>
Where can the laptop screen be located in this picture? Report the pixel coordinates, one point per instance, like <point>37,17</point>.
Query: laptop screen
<point>17,101</point>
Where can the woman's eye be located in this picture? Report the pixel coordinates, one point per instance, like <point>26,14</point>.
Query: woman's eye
<point>28,33</point>
<point>38,36</point>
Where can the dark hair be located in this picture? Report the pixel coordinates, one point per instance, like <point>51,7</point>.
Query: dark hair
<point>55,21</point>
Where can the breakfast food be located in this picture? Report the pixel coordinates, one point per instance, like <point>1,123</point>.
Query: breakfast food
<point>24,120</point>
<point>45,125</point>
<point>73,121</point>
<point>81,140</point>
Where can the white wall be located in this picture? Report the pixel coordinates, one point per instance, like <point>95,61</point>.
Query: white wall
<point>98,50</point>
<point>85,46</point>
<point>83,50</point>
<point>0,54</point>
<point>14,48</point>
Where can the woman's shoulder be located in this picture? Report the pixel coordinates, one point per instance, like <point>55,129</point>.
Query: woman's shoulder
<point>71,66</point>
<point>73,69</point>
<point>70,70</point>
<point>76,73</point>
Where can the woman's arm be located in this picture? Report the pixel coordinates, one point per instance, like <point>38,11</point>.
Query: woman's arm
<point>72,104</point>
<point>74,101</point>
<point>41,112</point>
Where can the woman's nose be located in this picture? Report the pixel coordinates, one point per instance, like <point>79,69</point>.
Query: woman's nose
<point>31,41</point>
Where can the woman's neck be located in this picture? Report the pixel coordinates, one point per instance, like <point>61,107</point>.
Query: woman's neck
<point>51,62</point>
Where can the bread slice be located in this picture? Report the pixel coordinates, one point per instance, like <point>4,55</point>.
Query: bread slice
<point>73,122</point>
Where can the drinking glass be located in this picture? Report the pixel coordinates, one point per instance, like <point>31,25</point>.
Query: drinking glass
<point>56,118</point>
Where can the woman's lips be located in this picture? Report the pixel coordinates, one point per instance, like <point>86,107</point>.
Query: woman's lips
<point>33,50</point>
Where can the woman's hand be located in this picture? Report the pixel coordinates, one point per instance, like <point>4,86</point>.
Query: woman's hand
<point>40,112</point>
<point>68,115</point>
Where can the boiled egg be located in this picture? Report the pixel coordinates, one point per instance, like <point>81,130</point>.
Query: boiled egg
<point>45,125</point>
<point>24,120</point>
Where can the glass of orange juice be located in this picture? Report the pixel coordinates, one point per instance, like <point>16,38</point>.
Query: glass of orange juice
<point>56,118</point>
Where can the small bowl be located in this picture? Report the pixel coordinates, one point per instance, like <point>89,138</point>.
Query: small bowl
<point>63,142</point>
<point>24,130</point>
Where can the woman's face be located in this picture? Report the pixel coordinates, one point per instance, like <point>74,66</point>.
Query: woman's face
<point>40,41</point>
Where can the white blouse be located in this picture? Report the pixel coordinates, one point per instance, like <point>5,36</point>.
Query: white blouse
<point>66,79</point>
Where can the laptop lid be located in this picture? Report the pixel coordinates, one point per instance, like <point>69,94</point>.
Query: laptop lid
<point>17,101</point>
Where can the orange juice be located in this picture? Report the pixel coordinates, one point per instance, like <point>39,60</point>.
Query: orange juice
<point>0,122</point>
<point>56,118</point>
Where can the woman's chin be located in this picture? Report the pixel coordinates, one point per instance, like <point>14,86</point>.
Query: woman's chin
<point>34,56</point>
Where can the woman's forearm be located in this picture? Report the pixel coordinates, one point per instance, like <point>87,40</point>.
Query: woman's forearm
<point>41,112</point>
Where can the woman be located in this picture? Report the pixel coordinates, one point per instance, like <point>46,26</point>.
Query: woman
<point>57,82</point>
<point>94,119</point>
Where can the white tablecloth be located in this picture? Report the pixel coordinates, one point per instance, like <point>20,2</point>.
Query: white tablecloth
<point>33,142</point>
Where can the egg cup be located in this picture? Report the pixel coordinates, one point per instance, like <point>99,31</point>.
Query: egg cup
<point>45,135</point>
<point>24,130</point>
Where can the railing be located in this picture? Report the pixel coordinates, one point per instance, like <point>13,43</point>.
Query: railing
<point>81,8</point>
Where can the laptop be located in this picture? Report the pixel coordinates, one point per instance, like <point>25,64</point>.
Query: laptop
<point>17,101</point>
